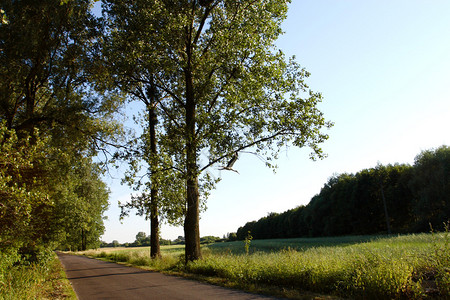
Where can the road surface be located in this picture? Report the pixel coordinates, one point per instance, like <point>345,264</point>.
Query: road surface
<point>94,279</point>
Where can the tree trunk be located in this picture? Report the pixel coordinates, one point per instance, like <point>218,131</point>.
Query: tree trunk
<point>385,210</point>
<point>155,250</point>
<point>191,222</point>
<point>83,240</point>
<point>192,219</point>
<point>154,218</point>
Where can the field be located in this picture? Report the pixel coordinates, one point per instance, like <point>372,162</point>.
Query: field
<point>369,267</point>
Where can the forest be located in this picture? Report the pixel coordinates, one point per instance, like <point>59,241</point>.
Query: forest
<point>387,199</point>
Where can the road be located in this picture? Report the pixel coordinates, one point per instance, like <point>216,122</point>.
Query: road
<point>94,279</point>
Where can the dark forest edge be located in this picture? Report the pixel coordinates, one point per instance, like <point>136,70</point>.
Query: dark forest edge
<point>397,198</point>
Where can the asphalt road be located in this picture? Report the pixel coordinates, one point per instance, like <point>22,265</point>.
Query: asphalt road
<point>95,279</point>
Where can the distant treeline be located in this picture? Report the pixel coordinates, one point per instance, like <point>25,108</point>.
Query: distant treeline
<point>397,198</point>
<point>143,240</point>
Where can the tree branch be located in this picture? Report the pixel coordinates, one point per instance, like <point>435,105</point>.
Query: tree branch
<point>264,139</point>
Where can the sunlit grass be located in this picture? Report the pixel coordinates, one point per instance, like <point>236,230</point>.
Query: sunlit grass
<point>44,280</point>
<point>411,266</point>
<point>140,256</point>
<point>237,247</point>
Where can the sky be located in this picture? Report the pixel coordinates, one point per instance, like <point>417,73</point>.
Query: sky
<point>383,68</point>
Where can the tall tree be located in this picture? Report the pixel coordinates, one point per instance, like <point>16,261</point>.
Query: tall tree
<point>156,200</point>
<point>431,188</point>
<point>79,205</point>
<point>48,104</point>
<point>225,86</point>
<point>147,204</point>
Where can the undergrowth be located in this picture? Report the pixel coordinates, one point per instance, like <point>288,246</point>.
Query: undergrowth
<point>44,278</point>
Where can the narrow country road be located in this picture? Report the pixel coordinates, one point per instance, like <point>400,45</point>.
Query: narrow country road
<point>94,279</point>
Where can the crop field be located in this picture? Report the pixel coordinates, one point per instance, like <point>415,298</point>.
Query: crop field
<point>369,267</point>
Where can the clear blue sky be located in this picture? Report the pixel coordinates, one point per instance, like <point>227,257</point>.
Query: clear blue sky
<point>383,68</point>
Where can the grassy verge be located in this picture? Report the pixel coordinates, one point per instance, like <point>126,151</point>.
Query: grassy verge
<point>44,280</point>
<point>409,267</point>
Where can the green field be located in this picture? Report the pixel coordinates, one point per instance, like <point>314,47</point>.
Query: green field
<point>410,266</point>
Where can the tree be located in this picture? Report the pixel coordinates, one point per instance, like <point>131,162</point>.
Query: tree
<point>79,205</point>
<point>148,204</point>
<point>224,85</point>
<point>20,194</point>
<point>140,238</point>
<point>232,236</point>
<point>53,120</point>
<point>156,200</point>
<point>431,188</point>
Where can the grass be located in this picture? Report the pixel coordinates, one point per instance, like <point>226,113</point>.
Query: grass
<point>44,280</point>
<point>409,267</point>
<point>299,244</point>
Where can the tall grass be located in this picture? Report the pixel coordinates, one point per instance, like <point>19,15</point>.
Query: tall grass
<point>345,271</point>
<point>45,279</point>
<point>238,247</point>
<point>410,267</point>
<point>140,256</point>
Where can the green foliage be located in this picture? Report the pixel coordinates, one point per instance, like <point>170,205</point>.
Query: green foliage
<point>46,199</point>
<point>431,188</point>
<point>80,205</point>
<point>53,120</point>
<point>21,279</point>
<point>415,196</point>
<point>140,238</point>
<point>20,186</point>
<point>222,84</point>
<point>7,260</point>
<point>247,242</point>
<point>438,268</point>
<point>209,239</point>
<point>231,237</point>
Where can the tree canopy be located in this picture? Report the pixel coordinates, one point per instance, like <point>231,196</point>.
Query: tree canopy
<point>53,121</point>
<point>223,85</point>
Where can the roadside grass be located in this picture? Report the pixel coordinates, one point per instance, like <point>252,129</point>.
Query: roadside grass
<point>171,258</point>
<point>44,280</point>
<point>401,267</point>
